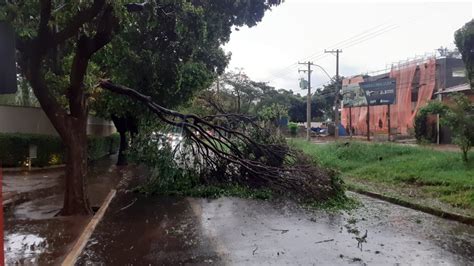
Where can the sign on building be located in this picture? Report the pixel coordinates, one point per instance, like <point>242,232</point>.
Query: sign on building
<point>380,92</point>
<point>7,59</point>
<point>353,95</point>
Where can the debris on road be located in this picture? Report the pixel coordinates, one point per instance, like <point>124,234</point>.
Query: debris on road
<point>324,241</point>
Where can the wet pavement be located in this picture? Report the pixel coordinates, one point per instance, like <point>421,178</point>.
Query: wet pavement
<point>230,231</point>
<point>14,184</point>
<point>33,234</point>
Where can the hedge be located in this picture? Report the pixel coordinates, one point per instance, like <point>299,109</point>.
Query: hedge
<point>14,148</point>
<point>99,147</point>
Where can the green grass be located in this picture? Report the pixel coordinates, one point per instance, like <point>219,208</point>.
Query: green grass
<point>441,175</point>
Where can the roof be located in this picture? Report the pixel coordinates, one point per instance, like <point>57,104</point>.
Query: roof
<point>457,88</point>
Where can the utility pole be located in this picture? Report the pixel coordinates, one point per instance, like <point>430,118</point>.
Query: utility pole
<point>308,99</point>
<point>336,98</point>
<point>439,98</point>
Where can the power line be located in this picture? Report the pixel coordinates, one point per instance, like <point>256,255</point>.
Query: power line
<point>351,43</point>
<point>319,53</point>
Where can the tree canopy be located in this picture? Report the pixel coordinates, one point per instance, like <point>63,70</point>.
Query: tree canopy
<point>464,40</point>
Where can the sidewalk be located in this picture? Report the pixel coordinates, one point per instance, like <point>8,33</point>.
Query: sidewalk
<point>33,235</point>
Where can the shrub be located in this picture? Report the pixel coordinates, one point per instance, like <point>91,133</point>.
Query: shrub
<point>460,119</point>
<point>14,148</point>
<point>293,127</point>
<point>422,132</point>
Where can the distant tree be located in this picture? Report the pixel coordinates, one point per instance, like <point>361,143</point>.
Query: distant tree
<point>272,114</point>
<point>464,40</point>
<point>459,117</point>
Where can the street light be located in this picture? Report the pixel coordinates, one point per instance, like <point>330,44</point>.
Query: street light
<point>325,72</point>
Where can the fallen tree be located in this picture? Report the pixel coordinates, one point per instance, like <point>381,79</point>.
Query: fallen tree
<point>238,150</point>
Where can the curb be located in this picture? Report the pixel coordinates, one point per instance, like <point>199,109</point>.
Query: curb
<point>86,234</point>
<point>33,169</point>
<point>436,212</point>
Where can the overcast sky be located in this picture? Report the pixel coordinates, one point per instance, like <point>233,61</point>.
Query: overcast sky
<point>372,35</point>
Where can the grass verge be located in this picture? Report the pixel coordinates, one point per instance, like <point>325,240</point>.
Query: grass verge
<point>417,173</point>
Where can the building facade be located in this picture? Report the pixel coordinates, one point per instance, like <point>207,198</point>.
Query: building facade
<point>417,82</point>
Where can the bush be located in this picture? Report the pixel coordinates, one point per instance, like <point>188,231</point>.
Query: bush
<point>460,119</point>
<point>293,127</point>
<point>14,148</point>
<point>422,132</point>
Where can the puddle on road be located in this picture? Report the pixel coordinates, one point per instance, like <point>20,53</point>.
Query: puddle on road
<point>24,248</point>
<point>39,209</point>
<point>40,242</point>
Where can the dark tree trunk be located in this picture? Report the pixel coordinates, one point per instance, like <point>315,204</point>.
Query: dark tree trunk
<point>75,197</point>
<point>122,157</point>
<point>122,127</point>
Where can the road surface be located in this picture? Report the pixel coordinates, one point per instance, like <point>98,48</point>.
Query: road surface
<point>230,231</point>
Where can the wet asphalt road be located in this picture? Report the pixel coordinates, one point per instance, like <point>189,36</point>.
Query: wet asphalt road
<point>232,231</point>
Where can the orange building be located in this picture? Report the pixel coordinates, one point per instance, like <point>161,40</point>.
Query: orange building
<point>416,84</point>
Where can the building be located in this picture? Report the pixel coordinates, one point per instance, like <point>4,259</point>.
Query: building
<point>416,83</point>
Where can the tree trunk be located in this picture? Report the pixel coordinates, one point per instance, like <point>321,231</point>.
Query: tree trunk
<point>76,201</point>
<point>464,154</point>
<point>122,157</point>
<point>121,125</point>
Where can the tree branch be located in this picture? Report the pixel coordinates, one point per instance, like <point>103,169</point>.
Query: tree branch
<point>86,47</point>
<point>77,21</point>
<point>237,157</point>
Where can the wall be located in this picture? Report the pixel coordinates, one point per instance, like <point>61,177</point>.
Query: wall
<point>17,119</point>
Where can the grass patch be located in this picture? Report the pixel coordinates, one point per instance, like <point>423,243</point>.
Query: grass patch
<point>440,174</point>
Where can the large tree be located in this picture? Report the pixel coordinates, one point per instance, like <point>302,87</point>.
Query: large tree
<point>172,60</point>
<point>56,42</point>
<point>464,40</point>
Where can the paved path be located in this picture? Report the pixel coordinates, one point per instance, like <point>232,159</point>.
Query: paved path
<point>231,231</point>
